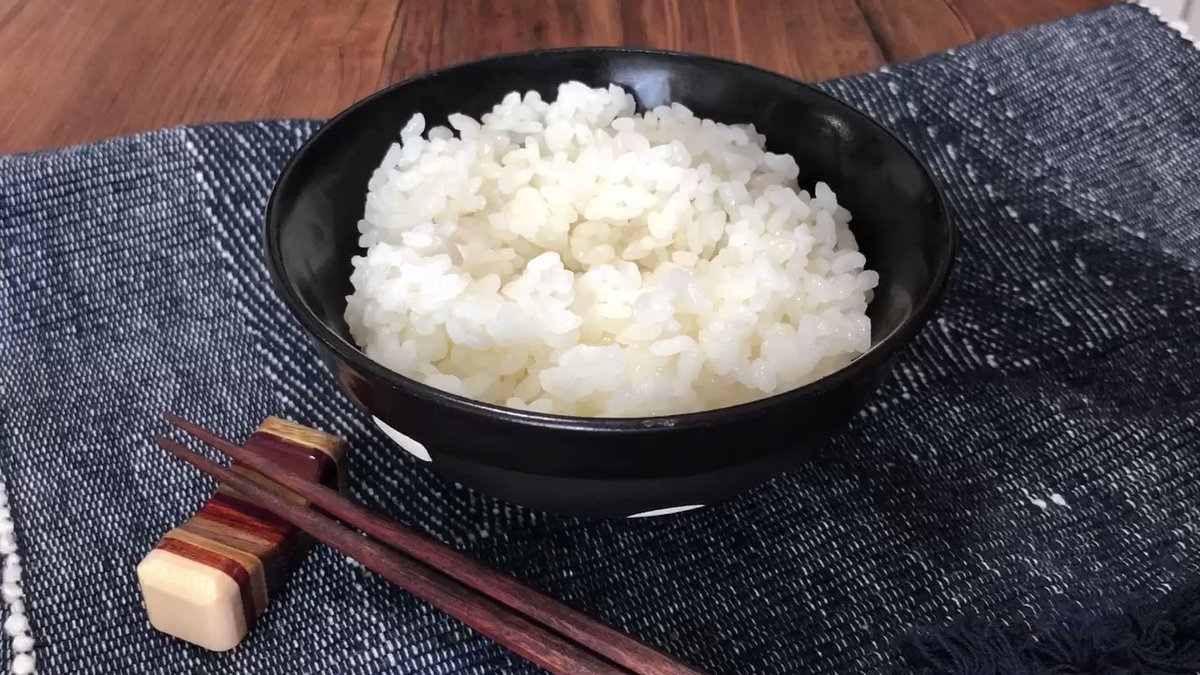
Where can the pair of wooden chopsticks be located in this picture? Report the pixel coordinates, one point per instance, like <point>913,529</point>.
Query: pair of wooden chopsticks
<point>532,625</point>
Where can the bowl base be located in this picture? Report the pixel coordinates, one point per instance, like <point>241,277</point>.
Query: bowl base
<point>615,497</point>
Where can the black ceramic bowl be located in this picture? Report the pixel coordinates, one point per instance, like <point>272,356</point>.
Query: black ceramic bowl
<point>631,466</point>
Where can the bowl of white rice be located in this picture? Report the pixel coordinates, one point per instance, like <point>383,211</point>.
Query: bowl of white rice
<point>608,282</point>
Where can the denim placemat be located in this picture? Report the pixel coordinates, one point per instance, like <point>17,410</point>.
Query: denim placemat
<point>1030,468</point>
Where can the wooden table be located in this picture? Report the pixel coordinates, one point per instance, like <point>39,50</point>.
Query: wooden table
<point>80,70</point>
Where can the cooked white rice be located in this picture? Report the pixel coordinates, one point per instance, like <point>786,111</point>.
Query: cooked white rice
<point>578,258</point>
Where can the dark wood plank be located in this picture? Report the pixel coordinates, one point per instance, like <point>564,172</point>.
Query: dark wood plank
<point>85,69</point>
<point>414,43</point>
<point>813,39</point>
<point>991,17</point>
<point>910,29</point>
<point>483,27</point>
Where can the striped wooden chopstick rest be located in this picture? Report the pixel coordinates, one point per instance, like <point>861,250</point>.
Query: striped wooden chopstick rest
<point>209,579</point>
<point>534,626</point>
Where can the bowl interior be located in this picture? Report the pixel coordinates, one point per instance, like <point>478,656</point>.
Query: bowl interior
<point>897,214</point>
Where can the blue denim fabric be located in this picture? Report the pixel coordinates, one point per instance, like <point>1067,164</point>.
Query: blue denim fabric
<point>1064,367</point>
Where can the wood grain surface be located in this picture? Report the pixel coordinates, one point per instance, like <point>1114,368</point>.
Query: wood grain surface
<point>232,543</point>
<point>80,70</point>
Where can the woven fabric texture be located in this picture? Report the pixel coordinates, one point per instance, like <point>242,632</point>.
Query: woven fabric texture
<point>1034,452</point>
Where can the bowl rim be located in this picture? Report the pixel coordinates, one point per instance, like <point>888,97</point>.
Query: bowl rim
<point>875,355</point>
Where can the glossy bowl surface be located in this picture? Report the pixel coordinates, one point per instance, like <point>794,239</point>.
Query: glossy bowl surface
<point>626,466</point>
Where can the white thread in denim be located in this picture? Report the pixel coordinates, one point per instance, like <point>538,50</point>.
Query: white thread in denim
<point>16,625</point>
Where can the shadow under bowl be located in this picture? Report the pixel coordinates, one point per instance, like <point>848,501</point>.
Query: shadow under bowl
<point>604,467</point>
